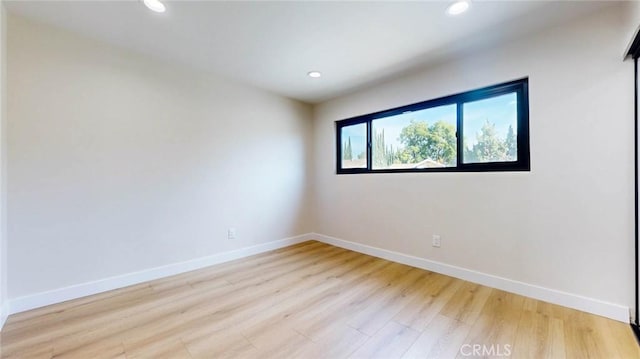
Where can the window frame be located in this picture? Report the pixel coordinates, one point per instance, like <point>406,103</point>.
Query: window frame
<point>520,87</point>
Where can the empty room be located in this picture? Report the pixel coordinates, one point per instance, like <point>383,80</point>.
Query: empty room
<point>319,179</point>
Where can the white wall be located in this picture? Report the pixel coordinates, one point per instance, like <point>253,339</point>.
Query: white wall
<point>118,162</point>
<point>566,225</point>
<point>633,15</point>
<point>3,173</point>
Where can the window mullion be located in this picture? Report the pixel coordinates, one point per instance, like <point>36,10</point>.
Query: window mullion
<point>369,146</point>
<point>459,135</point>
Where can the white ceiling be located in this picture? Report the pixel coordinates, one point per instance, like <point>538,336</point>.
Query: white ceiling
<point>272,45</point>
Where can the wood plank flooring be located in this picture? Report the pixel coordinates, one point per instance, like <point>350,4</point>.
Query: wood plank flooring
<point>311,300</point>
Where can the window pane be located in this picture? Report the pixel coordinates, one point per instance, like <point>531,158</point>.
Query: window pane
<point>354,146</point>
<point>490,129</point>
<point>418,139</point>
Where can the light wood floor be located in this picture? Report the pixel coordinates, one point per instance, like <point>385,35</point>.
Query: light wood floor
<point>311,300</point>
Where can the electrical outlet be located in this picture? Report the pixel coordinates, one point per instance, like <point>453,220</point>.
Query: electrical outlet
<point>435,240</point>
<point>231,233</point>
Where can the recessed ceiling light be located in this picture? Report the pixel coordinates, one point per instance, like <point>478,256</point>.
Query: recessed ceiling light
<point>458,7</point>
<point>314,74</point>
<point>155,5</point>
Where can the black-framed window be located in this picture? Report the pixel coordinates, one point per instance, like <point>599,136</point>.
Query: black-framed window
<point>481,130</point>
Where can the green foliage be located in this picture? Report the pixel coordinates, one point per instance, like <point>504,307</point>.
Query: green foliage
<point>437,142</point>
<point>383,155</point>
<point>421,141</point>
<point>489,147</point>
<point>511,145</point>
<point>469,153</point>
<point>347,154</point>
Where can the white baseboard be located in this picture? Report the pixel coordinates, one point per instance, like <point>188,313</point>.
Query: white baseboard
<point>585,304</point>
<point>4,313</point>
<point>589,305</point>
<point>42,299</point>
